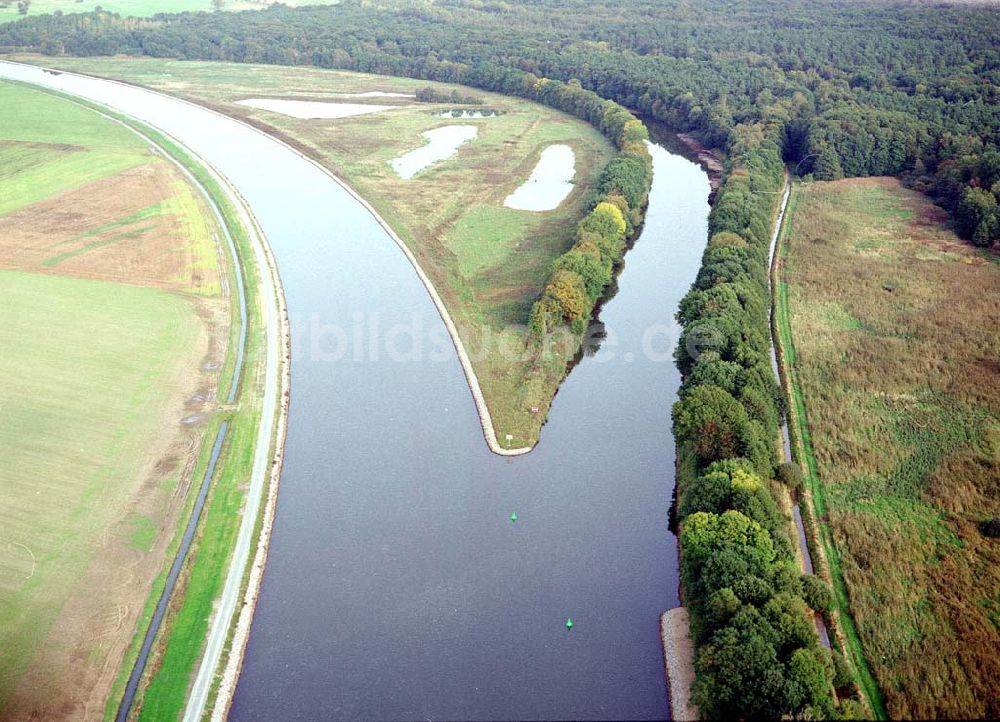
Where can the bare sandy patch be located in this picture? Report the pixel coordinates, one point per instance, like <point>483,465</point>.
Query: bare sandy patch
<point>678,655</point>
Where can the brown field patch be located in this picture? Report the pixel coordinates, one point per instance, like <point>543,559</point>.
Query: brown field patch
<point>115,229</point>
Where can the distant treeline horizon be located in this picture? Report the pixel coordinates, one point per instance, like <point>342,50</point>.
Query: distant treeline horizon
<point>866,88</point>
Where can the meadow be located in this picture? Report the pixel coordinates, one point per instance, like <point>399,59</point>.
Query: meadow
<point>113,306</point>
<point>893,344</point>
<point>489,263</point>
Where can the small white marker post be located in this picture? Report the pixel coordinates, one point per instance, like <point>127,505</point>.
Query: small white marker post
<point>510,437</point>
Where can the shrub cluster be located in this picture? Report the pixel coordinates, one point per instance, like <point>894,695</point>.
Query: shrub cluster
<point>430,94</point>
<point>757,650</point>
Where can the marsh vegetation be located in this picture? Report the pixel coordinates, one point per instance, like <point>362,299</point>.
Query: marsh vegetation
<point>893,323</point>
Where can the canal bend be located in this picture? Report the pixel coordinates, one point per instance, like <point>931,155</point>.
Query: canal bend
<point>396,584</point>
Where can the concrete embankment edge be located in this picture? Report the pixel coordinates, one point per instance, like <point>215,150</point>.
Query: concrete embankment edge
<point>485,418</point>
<point>269,447</point>
<point>678,658</point>
<point>254,576</point>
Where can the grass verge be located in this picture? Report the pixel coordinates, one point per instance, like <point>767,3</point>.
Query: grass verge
<point>179,646</point>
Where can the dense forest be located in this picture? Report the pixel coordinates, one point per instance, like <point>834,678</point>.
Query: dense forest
<point>861,88</point>
<point>827,89</point>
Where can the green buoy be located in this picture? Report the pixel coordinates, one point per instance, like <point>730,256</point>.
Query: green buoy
<point>569,622</point>
<point>513,517</point>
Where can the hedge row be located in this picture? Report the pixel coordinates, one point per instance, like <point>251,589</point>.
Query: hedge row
<point>580,275</point>
<point>757,650</point>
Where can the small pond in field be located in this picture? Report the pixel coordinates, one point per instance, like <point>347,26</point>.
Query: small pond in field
<point>312,109</point>
<point>550,182</point>
<point>441,145</point>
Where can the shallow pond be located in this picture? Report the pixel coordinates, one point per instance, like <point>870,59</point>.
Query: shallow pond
<point>441,145</point>
<point>313,109</point>
<point>374,94</point>
<point>550,182</point>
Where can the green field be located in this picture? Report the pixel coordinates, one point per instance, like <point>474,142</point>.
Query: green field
<point>95,365</point>
<point>488,262</point>
<point>889,324</point>
<point>139,8</point>
<point>103,348</point>
<point>48,146</point>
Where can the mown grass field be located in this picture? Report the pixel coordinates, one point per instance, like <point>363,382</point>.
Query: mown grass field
<point>895,345</point>
<point>103,358</point>
<point>488,262</point>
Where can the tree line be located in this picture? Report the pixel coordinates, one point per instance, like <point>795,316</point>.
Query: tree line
<point>580,276</point>
<point>757,651</point>
<point>862,88</point>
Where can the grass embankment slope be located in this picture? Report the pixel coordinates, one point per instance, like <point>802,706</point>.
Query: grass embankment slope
<point>111,287</point>
<point>179,646</point>
<point>488,262</point>
<point>894,347</point>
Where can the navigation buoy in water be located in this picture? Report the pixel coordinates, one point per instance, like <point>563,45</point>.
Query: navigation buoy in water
<point>513,517</point>
<point>569,622</point>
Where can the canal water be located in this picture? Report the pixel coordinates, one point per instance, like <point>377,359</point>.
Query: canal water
<point>397,587</point>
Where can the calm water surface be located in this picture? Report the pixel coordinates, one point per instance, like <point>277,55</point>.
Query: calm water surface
<point>441,144</point>
<point>314,109</point>
<point>397,586</point>
<point>550,182</point>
